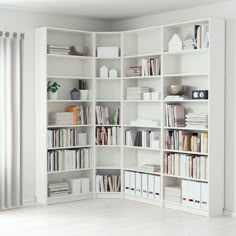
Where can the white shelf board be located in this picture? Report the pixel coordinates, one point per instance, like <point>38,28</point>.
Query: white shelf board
<point>187,178</point>
<point>185,128</point>
<point>142,77</point>
<point>142,101</point>
<point>107,79</point>
<point>108,125</point>
<point>141,126</point>
<point>70,147</point>
<point>136,169</point>
<point>66,101</point>
<point>142,199</point>
<point>69,30</point>
<point>187,100</point>
<point>184,52</point>
<point>186,152</point>
<point>108,58</point>
<point>69,77</point>
<point>68,171</point>
<point>69,198</point>
<point>108,167</point>
<point>69,56</point>
<point>107,146</point>
<point>108,100</point>
<point>143,55</point>
<point>68,126</point>
<point>142,148</point>
<point>186,75</point>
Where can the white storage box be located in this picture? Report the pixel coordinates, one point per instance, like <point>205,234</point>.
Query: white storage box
<point>107,52</point>
<point>75,185</point>
<point>82,139</point>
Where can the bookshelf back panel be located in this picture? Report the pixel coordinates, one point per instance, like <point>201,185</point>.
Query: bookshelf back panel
<point>108,89</point>
<point>143,42</point>
<point>110,64</point>
<point>63,66</point>
<point>185,63</point>
<point>148,157</point>
<point>108,40</point>
<point>65,38</point>
<point>108,157</point>
<point>130,157</point>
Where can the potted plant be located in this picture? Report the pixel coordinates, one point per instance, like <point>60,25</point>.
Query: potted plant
<point>75,94</point>
<point>83,90</point>
<point>52,90</point>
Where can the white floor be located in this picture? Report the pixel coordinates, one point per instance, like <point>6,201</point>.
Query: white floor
<point>110,217</point>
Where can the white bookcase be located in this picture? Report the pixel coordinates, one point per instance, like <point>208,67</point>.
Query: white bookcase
<point>201,69</point>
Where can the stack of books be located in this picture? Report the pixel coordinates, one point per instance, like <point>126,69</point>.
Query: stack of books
<point>58,49</point>
<point>175,116</point>
<point>102,116</point>
<point>81,115</point>
<point>186,141</point>
<point>150,168</point>
<point>106,183</point>
<point>61,160</point>
<point>136,93</point>
<point>60,118</point>
<point>185,165</point>
<point>134,71</point>
<point>201,36</point>
<point>176,97</point>
<point>197,120</point>
<point>108,135</point>
<point>145,138</point>
<point>151,66</point>
<point>58,189</point>
<point>172,194</point>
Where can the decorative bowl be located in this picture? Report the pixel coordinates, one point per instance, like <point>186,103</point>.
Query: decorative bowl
<point>175,89</point>
<point>78,50</point>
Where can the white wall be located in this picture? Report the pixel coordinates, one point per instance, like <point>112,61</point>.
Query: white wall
<point>20,21</point>
<point>227,11</point>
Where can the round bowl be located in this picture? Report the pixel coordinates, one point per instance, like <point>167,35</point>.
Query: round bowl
<point>176,89</point>
<point>79,50</point>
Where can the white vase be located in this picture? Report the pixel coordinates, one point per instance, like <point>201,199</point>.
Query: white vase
<point>52,96</point>
<point>84,94</point>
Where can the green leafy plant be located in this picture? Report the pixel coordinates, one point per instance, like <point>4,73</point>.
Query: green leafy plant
<point>53,87</point>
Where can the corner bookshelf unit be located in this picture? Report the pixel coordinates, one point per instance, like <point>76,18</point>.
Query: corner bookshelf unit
<point>200,68</point>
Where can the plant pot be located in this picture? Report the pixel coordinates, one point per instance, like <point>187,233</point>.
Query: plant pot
<point>52,96</point>
<point>75,95</point>
<point>84,94</point>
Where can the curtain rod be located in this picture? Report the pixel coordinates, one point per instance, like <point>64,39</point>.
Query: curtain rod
<point>13,34</point>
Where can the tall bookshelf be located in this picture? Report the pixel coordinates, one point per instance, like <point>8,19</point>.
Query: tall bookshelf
<point>201,68</point>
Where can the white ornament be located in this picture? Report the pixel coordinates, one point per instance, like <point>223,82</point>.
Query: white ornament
<point>103,72</point>
<point>112,73</point>
<point>175,44</point>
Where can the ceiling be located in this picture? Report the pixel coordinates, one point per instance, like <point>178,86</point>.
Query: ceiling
<point>104,9</point>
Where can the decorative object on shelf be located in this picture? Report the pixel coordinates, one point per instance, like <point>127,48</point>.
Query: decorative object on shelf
<point>75,94</point>
<point>189,44</point>
<point>103,72</point>
<point>113,73</point>
<point>176,89</point>
<point>155,96</point>
<point>147,96</point>
<point>107,52</point>
<point>200,94</point>
<point>175,44</point>
<point>79,50</point>
<point>83,90</point>
<point>52,89</point>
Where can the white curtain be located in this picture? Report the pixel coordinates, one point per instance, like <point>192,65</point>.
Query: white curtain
<point>11,49</point>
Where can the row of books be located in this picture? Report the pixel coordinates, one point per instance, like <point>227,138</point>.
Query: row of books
<point>144,138</point>
<point>186,141</point>
<point>66,138</point>
<point>61,160</point>
<point>136,93</point>
<point>108,135</point>
<point>142,185</point>
<point>81,114</point>
<point>151,66</point>
<point>102,116</point>
<point>108,183</point>
<point>201,36</point>
<point>175,115</point>
<point>185,165</point>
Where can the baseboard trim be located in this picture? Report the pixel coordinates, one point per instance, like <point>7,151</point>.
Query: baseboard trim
<point>30,202</point>
<point>230,214</point>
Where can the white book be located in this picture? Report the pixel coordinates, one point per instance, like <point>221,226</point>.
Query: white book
<point>127,182</point>
<point>151,186</point>
<point>85,185</point>
<point>101,183</point>
<point>114,136</point>
<point>204,195</point>
<point>197,194</point>
<point>109,140</point>
<point>98,189</point>
<point>132,183</point>
<point>157,187</point>
<point>138,184</point>
<point>144,185</point>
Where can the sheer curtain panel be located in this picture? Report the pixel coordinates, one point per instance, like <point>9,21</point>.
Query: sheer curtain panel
<point>11,49</point>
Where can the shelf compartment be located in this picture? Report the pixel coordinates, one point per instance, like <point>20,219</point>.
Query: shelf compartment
<point>136,169</point>
<point>74,147</point>
<point>184,128</point>
<point>67,171</point>
<point>187,178</point>
<point>142,148</point>
<point>186,152</point>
